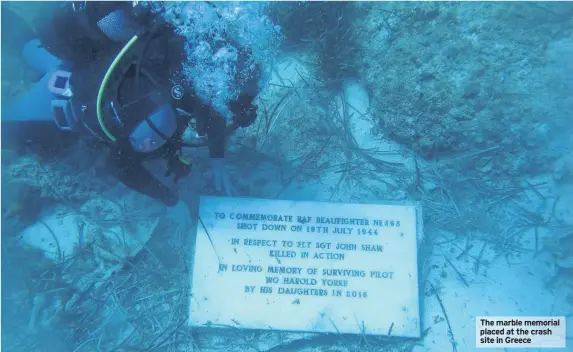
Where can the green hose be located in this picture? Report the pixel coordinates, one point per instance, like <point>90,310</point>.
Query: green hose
<point>104,84</point>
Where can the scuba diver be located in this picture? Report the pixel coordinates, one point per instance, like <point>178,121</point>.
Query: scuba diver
<point>113,71</point>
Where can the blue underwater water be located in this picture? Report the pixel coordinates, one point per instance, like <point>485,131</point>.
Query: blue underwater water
<point>461,108</point>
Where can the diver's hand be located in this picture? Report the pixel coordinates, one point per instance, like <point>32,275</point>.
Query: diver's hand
<point>244,110</point>
<point>221,178</point>
<point>178,167</point>
<point>180,214</point>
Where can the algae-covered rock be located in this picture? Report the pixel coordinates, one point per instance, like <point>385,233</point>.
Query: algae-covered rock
<point>455,77</point>
<point>563,169</point>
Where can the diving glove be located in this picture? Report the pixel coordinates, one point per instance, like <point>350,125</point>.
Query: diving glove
<point>244,110</point>
<point>179,167</point>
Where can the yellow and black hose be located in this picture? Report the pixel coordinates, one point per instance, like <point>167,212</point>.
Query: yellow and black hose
<point>104,83</point>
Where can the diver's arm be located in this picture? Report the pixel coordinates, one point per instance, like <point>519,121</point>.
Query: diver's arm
<point>131,172</point>
<point>252,85</point>
<point>244,111</point>
<point>216,129</point>
<point>210,122</point>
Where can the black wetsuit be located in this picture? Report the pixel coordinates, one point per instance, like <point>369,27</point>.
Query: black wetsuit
<point>159,53</point>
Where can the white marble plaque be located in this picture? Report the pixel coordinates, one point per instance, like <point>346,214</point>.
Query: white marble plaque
<point>306,266</point>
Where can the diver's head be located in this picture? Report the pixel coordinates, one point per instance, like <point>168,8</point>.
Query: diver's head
<point>141,110</point>
<point>153,132</point>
